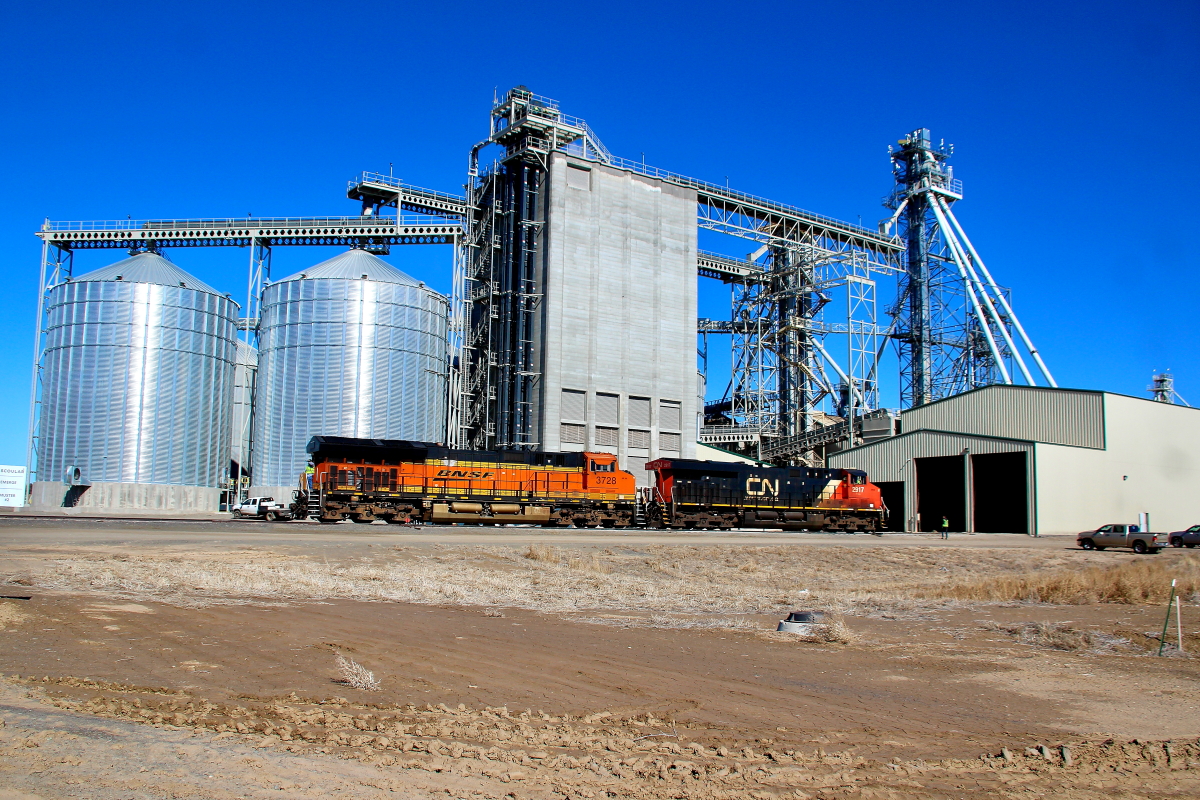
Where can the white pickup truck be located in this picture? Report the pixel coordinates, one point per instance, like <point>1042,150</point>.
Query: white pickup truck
<point>263,508</point>
<point>1120,536</point>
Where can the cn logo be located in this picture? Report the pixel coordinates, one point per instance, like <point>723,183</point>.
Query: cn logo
<point>759,487</point>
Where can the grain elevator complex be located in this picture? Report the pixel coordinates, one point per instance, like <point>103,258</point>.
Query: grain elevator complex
<point>572,325</point>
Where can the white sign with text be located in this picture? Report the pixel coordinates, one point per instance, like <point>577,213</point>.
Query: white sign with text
<point>12,486</point>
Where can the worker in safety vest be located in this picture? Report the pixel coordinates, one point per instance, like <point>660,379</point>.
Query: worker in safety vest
<point>309,471</point>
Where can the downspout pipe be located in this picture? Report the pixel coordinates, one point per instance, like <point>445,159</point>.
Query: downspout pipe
<point>962,271</point>
<point>956,245</point>
<point>1004,302</point>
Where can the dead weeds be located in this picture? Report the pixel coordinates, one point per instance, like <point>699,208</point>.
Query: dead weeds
<point>1061,636</point>
<point>1145,580</point>
<point>697,581</point>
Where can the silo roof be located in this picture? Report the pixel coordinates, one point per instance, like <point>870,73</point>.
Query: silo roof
<point>356,264</point>
<point>147,268</point>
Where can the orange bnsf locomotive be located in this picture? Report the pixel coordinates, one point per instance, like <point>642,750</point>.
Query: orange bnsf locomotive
<point>369,479</point>
<point>383,479</point>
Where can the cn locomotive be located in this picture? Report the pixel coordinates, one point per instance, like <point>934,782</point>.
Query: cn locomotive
<point>399,481</point>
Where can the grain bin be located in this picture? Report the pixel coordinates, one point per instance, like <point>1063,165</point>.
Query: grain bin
<point>137,389</point>
<point>349,347</point>
<point>243,398</point>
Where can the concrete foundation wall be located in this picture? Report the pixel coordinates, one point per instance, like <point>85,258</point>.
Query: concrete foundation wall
<point>124,499</point>
<point>618,315</point>
<point>1150,464</point>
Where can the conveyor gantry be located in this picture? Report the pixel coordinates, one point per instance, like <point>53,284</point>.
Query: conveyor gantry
<point>151,234</point>
<point>375,190</point>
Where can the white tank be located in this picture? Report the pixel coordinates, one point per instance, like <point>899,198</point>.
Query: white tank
<point>349,347</point>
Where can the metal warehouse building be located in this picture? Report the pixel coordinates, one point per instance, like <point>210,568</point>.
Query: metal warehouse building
<point>1019,459</point>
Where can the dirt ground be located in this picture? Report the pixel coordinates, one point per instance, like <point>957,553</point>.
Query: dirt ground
<point>160,661</point>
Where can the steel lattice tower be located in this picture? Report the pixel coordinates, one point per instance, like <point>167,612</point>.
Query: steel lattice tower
<point>953,323</point>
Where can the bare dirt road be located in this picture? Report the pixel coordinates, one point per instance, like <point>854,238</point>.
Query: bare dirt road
<point>171,661</point>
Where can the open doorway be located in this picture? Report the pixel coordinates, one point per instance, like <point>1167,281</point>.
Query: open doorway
<point>999,482</point>
<point>893,499</point>
<point>941,492</point>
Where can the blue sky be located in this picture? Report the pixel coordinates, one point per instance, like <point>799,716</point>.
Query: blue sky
<point>1074,125</point>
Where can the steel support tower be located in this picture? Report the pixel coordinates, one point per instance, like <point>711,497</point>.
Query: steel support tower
<point>496,287</point>
<point>954,325</point>
<point>784,372</point>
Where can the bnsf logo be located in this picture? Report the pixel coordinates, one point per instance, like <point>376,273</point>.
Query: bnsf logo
<point>463,473</point>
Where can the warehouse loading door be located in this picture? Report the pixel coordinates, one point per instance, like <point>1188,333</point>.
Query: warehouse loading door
<point>893,498</point>
<point>1000,482</point>
<point>941,491</point>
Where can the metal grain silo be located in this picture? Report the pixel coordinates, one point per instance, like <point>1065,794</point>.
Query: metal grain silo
<point>243,399</point>
<point>137,387</point>
<point>349,347</point>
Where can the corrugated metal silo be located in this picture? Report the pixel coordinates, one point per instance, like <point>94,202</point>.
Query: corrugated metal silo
<point>349,347</point>
<point>137,385</point>
<point>243,398</point>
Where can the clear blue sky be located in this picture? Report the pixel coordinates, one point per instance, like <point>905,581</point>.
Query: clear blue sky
<point>1074,123</point>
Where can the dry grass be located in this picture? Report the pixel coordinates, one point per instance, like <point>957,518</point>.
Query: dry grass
<point>355,675</point>
<point>711,582</point>
<point>547,554</point>
<point>1059,636</point>
<point>1145,580</point>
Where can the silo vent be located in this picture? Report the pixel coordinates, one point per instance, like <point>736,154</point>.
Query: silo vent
<point>364,276</point>
<point>120,277</point>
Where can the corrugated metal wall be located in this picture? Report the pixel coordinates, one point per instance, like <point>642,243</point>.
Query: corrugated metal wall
<point>1055,416</point>
<point>138,383</point>
<point>885,460</point>
<point>345,357</point>
<point>891,460</point>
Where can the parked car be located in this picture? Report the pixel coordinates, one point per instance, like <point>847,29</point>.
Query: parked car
<point>263,508</point>
<point>1130,536</point>
<point>1188,538</point>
